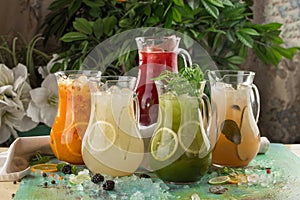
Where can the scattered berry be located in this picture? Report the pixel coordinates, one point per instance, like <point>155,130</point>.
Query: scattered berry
<point>44,174</point>
<point>15,182</point>
<point>108,185</point>
<point>97,178</point>
<point>53,181</point>
<point>13,195</point>
<point>67,169</point>
<point>268,170</point>
<point>145,176</point>
<point>45,184</point>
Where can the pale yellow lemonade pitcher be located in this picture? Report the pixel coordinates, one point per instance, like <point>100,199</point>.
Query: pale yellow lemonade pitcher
<point>112,144</point>
<point>236,99</point>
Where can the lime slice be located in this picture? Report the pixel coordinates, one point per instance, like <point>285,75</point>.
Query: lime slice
<point>102,136</point>
<point>219,180</point>
<point>192,139</point>
<point>164,144</point>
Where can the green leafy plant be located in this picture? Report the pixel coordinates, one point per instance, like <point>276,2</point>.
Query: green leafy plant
<point>224,28</point>
<point>16,49</point>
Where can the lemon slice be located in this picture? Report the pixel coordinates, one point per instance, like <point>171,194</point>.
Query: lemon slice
<point>73,141</point>
<point>44,167</point>
<point>192,139</point>
<point>102,136</point>
<point>219,180</point>
<point>164,144</point>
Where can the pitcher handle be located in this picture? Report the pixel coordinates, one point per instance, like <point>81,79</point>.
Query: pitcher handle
<point>136,107</point>
<point>257,101</point>
<point>206,113</point>
<point>186,56</point>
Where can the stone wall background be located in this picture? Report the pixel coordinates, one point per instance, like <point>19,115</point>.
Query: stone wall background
<point>279,87</point>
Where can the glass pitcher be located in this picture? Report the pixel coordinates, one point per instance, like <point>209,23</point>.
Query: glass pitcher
<point>180,148</point>
<point>73,114</point>
<point>156,54</point>
<point>237,102</point>
<point>112,144</point>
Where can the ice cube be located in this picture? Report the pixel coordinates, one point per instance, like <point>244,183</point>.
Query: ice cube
<point>114,90</point>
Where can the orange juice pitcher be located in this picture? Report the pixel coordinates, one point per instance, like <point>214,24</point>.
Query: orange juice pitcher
<point>73,114</point>
<point>236,100</point>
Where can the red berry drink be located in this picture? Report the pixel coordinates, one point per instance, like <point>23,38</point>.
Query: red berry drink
<point>151,63</point>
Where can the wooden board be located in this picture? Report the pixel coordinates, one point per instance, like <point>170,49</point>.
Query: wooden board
<point>282,183</point>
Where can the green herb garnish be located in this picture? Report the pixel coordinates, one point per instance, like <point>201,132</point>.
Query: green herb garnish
<point>38,158</point>
<point>187,81</point>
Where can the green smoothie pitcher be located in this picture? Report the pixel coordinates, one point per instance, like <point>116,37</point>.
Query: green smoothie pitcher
<point>180,149</point>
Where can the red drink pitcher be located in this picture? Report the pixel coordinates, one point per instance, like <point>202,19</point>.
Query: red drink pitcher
<point>155,56</point>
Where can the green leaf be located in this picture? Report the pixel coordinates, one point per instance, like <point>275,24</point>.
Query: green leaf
<point>273,56</point>
<point>179,2</point>
<point>152,20</point>
<point>176,14</point>
<point>194,4</point>
<point>109,24</point>
<point>227,3</point>
<point>98,28</point>
<point>288,53</point>
<point>245,39</point>
<point>231,131</point>
<point>218,3</point>
<point>56,5</point>
<point>249,31</point>
<point>82,25</point>
<point>74,7</point>
<point>169,19</point>
<point>126,22</point>
<point>73,36</point>
<point>212,10</point>
<point>236,59</point>
<point>94,3</point>
<point>230,36</point>
<point>260,51</point>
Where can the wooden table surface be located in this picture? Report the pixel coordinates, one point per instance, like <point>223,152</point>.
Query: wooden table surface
<point>7,189</point>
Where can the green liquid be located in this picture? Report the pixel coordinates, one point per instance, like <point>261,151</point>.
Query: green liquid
<point>183,166</point>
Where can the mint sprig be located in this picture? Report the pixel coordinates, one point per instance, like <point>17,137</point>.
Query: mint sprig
<point>187,81</point>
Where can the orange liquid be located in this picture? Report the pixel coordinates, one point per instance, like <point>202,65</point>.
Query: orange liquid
<point>228,152</point>
<point>71,122</point>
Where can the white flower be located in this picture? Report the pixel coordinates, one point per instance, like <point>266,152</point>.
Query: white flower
<point>45,70</point>
<point>43,106</point>
<point>14,99</point>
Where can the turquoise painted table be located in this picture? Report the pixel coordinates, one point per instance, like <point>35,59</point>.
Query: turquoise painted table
<point>282,183</point>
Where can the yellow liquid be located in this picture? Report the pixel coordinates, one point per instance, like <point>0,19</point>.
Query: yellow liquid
<point>239,152</point>
<point>123,151</point>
